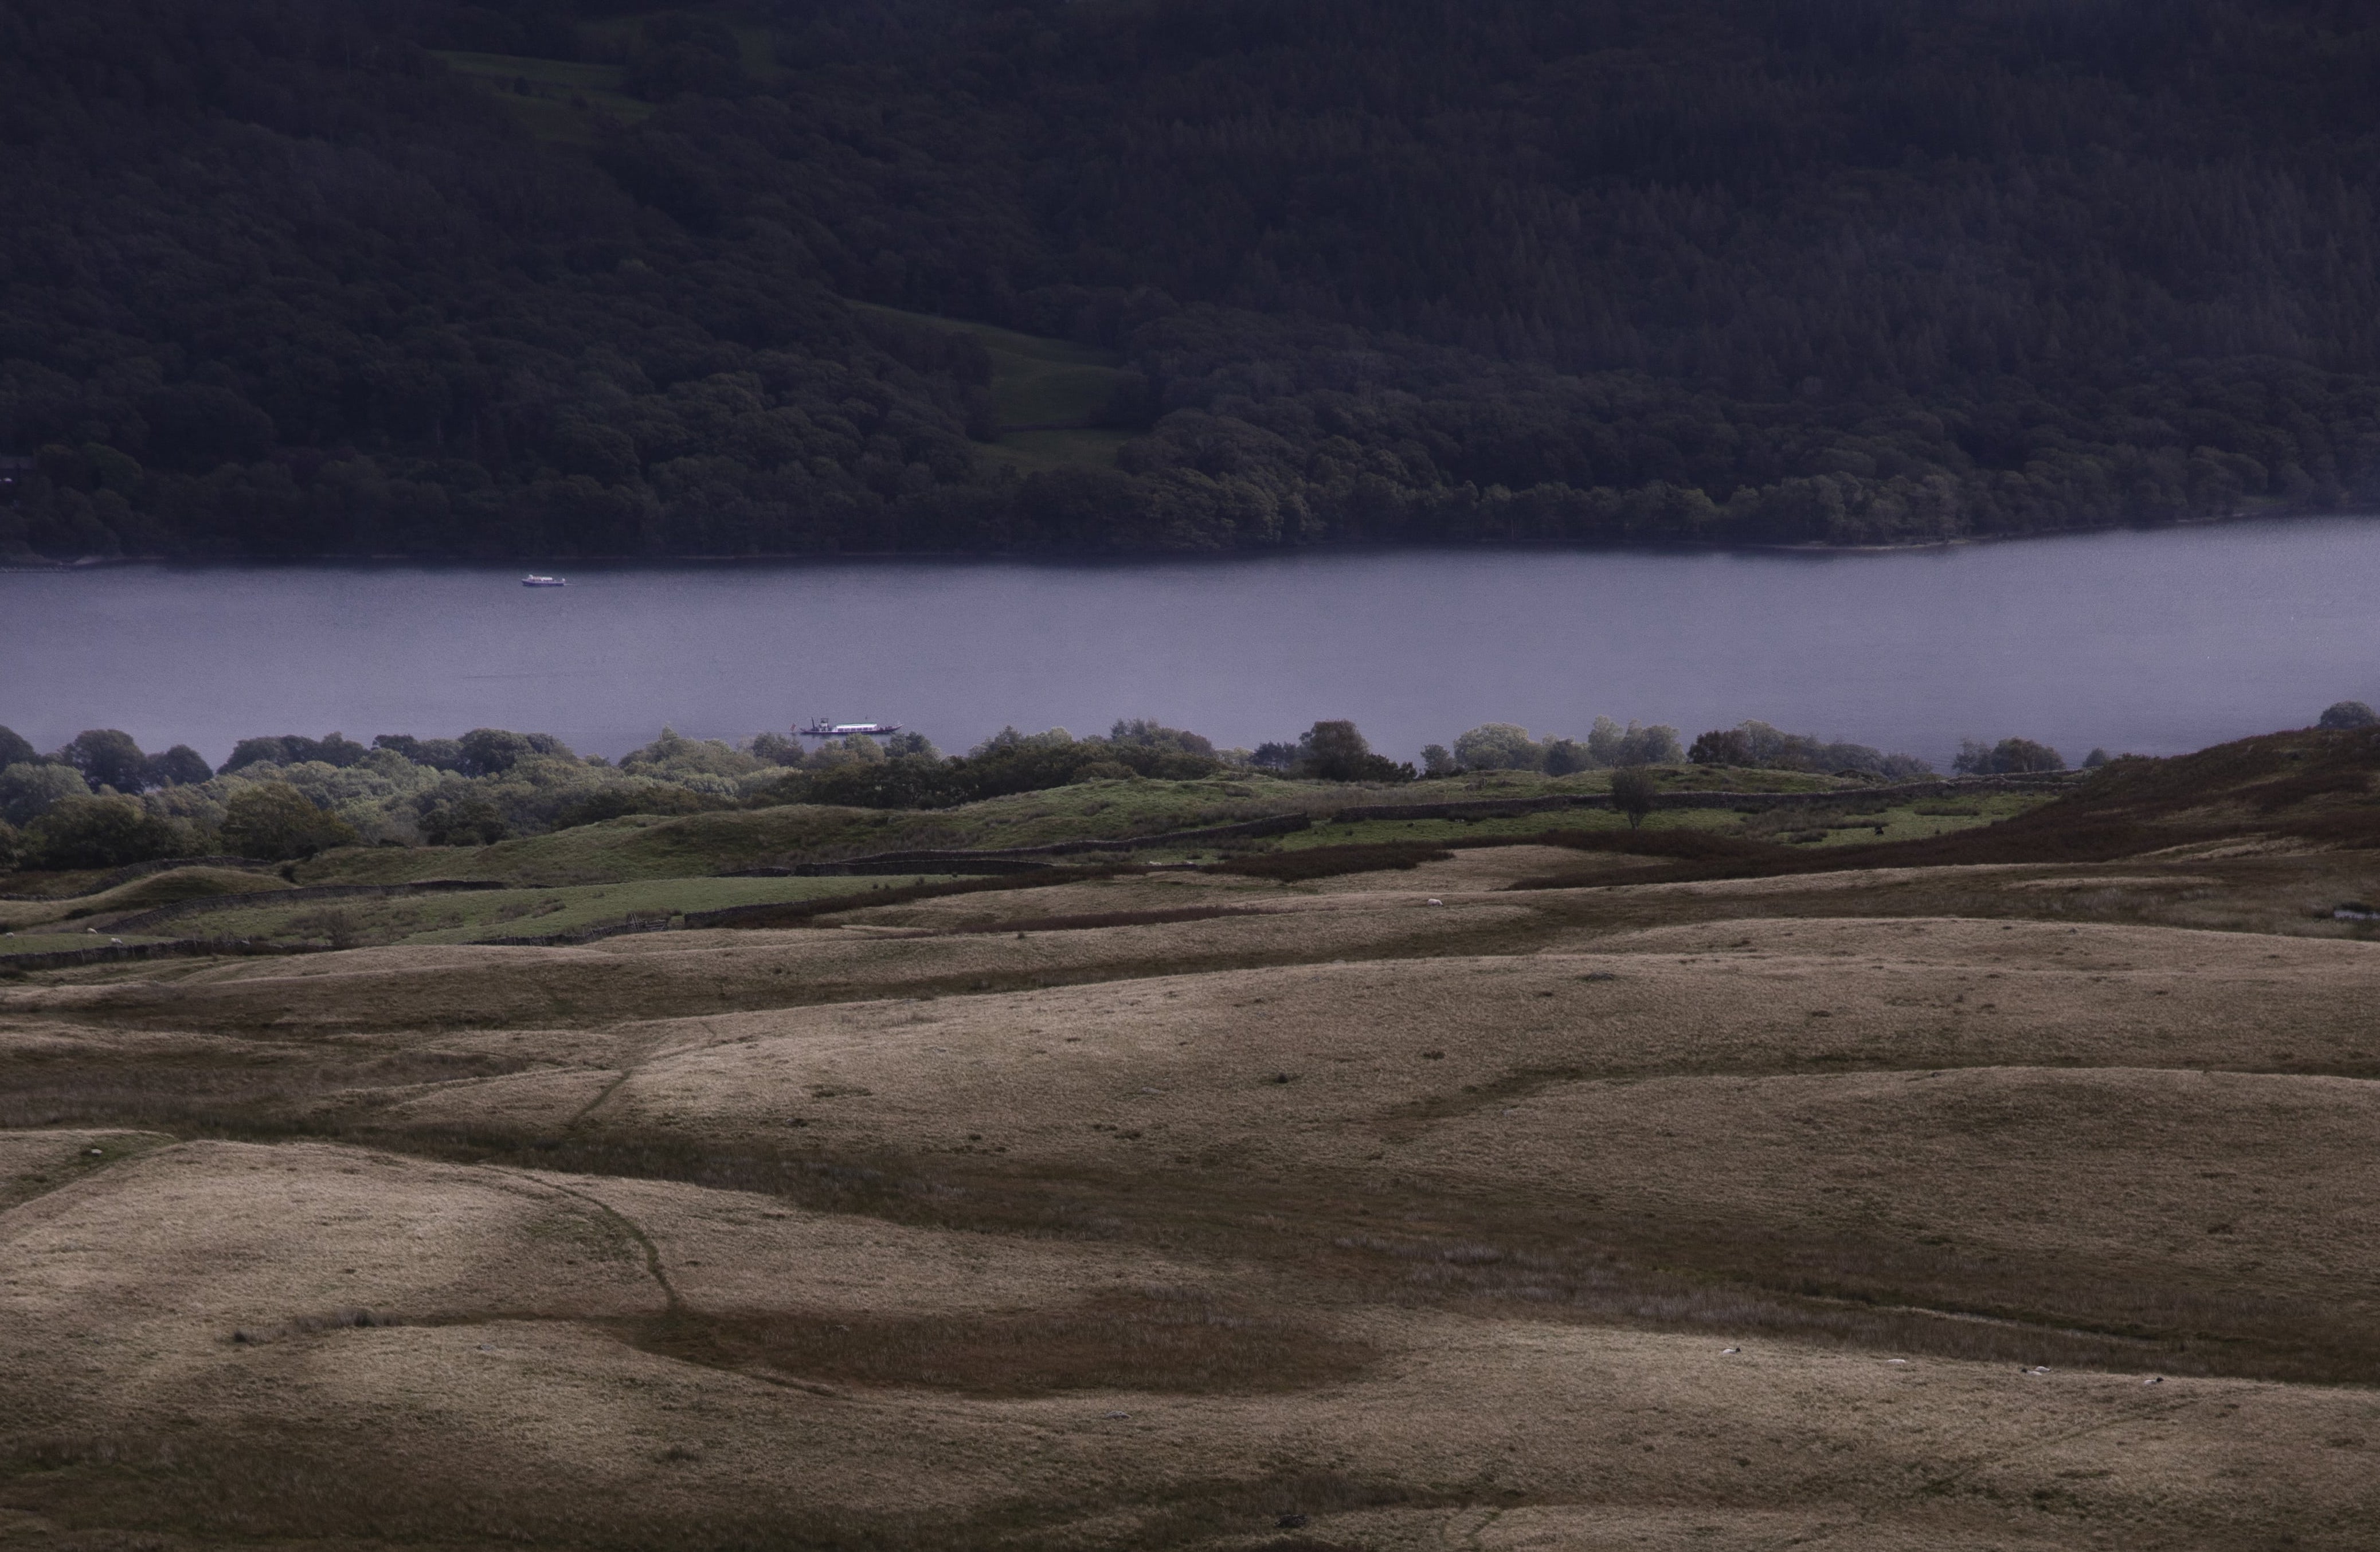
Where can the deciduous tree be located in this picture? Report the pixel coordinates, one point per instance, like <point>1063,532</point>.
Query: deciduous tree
<point>273,820</point>
<point>108,757</point>
<point>1634,793</point>
<point>102,831</point>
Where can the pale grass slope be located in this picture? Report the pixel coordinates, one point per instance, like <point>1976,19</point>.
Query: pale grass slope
<point>1428,1152</point>
<point>1568,1436</point>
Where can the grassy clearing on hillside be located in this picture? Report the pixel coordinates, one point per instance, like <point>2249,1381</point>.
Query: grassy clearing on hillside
<point>559,100</point>
<point>1045,394</point>
<point>1035,380</point>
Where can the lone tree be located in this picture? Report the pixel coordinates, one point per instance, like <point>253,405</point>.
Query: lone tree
<point>1634,793</point>
<point>2344,715</point>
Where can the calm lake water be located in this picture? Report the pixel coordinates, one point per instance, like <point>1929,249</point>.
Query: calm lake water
<point>2148,641</point>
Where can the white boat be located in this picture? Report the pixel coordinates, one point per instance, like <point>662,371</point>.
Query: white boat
<point>820,727</point>
<point>533,580</point>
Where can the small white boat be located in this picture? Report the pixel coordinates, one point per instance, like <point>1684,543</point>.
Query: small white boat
<point>820,727</point>
<point>533,580</point>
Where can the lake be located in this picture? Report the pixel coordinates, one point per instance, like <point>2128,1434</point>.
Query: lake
<point>2151,642</point>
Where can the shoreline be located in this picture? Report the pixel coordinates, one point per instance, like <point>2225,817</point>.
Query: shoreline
<point>782,558</point>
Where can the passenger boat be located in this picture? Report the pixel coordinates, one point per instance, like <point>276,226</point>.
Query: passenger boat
<point>533,580</point>
<point>820,727</point>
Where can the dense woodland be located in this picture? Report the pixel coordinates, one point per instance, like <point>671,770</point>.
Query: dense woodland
<point>276,278</point>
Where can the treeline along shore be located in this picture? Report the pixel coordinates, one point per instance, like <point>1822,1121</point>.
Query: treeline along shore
<point>101,801</point>
<point>739,277</point>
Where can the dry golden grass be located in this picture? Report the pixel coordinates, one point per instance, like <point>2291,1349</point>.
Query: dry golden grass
<point>1427,1224</point>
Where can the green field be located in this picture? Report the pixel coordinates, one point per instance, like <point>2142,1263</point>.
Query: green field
<point>653,847</point>
<point>1854,825</point>
<point>142,894</point>
<point>471,918</point>
<point>59,942</point>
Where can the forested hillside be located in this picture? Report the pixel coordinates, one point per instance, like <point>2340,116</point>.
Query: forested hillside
<point>537,278</point>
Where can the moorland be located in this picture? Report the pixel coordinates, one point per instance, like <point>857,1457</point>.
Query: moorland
<point>1820,1161</point>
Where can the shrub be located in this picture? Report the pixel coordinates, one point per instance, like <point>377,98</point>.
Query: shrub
<point>1141,733</point>
<point>1567,757</point>
<point>2341,715</point>
<point>1497,746</point>
<point>856,748</point>
<point>468,819</point>
<point>776,748</point>
<point>673,756</point>
<point>908,781</point>
<point>1721,746</point>
<point>1634,793</point>
<point>1657,745</point>
<point>28,789</point>
<point>2008,757</point>
<point>443,754</point>
<point>492,750</point>
<point>12,847</point>
<point>273,821</point>
<point>1337,751</point>
<point>102,833</point>
<point>614,802</point>
<point>293,748</point>
<point>1756,744</point>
